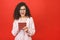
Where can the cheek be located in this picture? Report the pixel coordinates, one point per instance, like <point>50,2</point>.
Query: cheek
<point>24,11</point>
<point>20,11</point>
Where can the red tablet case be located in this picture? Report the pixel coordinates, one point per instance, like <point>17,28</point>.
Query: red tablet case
<point>21,25</point>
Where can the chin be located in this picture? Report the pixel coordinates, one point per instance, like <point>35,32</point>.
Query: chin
<point>22,15</point>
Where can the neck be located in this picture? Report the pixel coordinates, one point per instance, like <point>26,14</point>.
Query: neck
<point>23,16</point>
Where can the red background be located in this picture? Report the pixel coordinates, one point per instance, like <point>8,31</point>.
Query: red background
<point>46,15</point>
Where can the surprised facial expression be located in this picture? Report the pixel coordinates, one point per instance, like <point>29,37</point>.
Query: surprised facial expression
<point>22,11</point>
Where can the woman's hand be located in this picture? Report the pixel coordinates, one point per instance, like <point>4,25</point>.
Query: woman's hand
<point>25,29</point>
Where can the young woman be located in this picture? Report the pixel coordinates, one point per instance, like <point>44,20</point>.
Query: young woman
<point>22,15</point>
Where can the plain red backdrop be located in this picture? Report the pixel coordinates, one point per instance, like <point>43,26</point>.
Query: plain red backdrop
<point>46,15</point>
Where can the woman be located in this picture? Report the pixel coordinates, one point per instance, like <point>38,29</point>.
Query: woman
<point>22,15</point>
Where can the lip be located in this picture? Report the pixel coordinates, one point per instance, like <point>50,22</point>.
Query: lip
<point>22,13</point>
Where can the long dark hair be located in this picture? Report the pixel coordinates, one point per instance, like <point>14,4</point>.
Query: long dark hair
<point>17,13</point>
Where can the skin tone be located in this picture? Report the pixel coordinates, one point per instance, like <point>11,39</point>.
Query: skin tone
<point>22,13</point>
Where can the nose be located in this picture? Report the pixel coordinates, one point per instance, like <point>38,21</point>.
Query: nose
<point>22,11</point>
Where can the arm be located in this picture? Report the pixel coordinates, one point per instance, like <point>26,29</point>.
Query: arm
<point>31,29</point>
<point>15,28</point>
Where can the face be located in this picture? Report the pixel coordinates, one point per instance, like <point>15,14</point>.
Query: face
<point>22,11</point>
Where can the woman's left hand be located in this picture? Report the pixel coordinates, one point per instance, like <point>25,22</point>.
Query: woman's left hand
<point>25,29</point>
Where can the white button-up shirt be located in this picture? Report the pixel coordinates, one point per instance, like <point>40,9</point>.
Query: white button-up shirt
<point>22,35</point>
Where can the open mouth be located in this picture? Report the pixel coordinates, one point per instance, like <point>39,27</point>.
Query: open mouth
<point>22,13</point>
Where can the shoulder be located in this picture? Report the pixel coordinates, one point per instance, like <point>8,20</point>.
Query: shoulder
<point>30,18</point>
<point>15,21</point>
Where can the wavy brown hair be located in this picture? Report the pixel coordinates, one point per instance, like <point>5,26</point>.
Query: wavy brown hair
<point>17,13</point>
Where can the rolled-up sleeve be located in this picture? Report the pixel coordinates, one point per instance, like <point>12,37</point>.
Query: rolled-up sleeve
<point>15,28</point>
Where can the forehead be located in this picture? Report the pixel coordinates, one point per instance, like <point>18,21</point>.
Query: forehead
<point>22,7</point>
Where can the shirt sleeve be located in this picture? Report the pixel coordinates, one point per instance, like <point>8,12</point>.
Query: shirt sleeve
<point>15,28</point>
<point>31,29</point>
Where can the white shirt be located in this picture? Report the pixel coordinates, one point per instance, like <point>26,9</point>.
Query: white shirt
<point>22,35</point>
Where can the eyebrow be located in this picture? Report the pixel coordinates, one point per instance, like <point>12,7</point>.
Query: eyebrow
<point>22,9</point>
